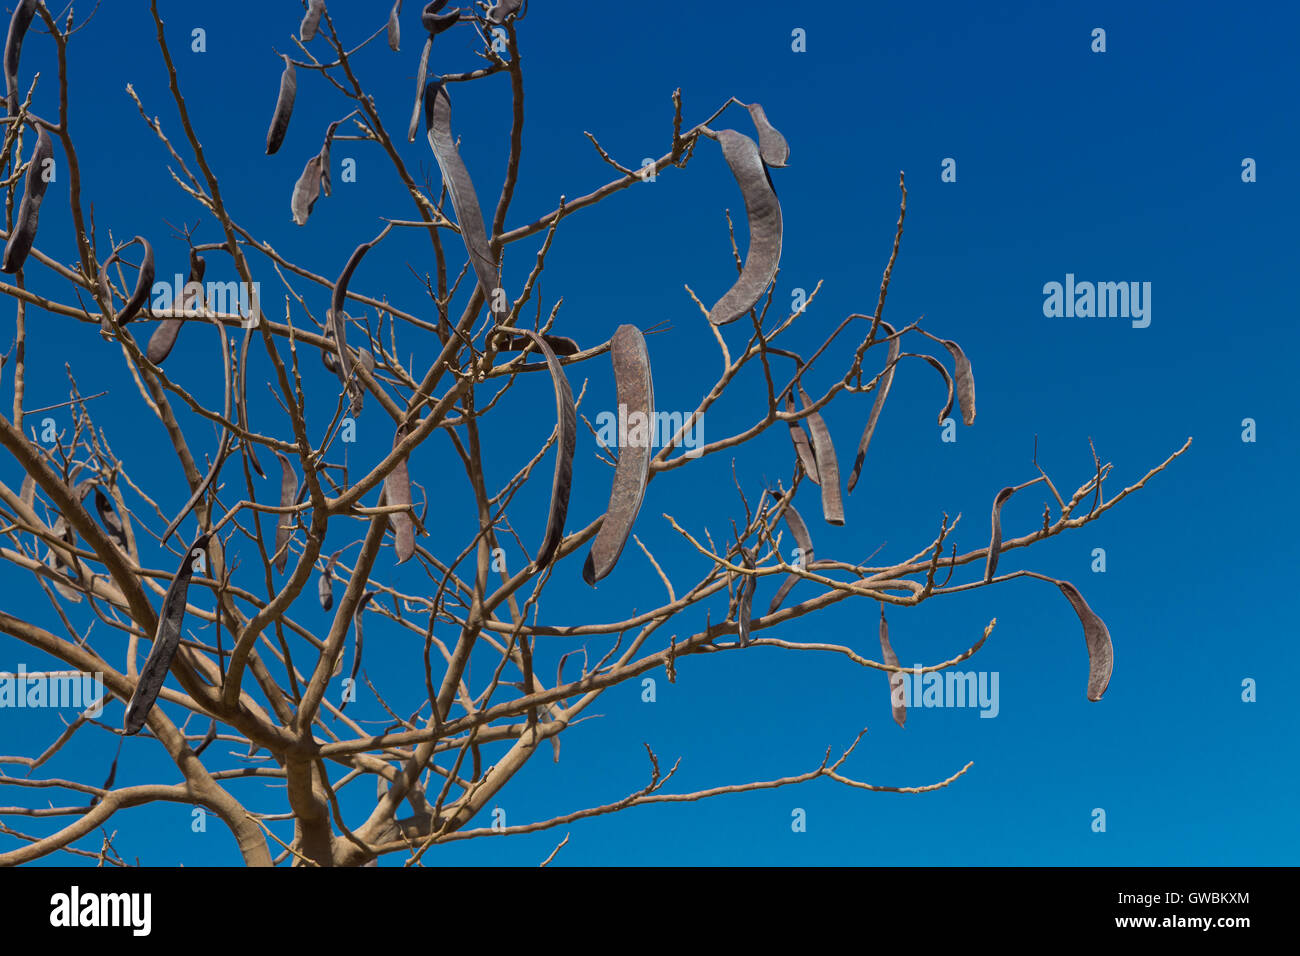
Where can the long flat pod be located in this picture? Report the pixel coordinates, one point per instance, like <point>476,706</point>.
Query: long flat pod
<point>306,191</point>
<point>803,541</point>
<point>896,702</point>
<point>828,467</point>
<point>800,439</point>
<point>24,10</point>
<point>397,486</point>
<point>745,598</point>
<point>995,542</point>
<point>164,336</point>
<point>561,345</point>
<point>283,106</point>
<point>566,426</point>
<point>338,322</point>
<point>503,8</point>
<point>166,640</point>
<point>311,20</point>
<point>965,381</point>
<point>325,589</point>
<point>284,527</point>
<point>29,210</point>
<point>109,519</point>
<point>395,27</point>
<point>358,645</point>
<point>143,284</point>
<point>764,215</point>
<point>772,147</point>
<point>1101,654</point>
<point>437,121</point>
<point>882,392</point>
<point>635,389</point>
<point>420,77</point>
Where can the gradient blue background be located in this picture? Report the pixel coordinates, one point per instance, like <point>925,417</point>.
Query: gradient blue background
<point>1117,166</point>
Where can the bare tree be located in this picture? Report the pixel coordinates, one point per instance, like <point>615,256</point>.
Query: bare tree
<point>222,616</point>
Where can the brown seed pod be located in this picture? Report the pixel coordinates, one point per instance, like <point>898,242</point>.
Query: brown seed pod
<point>164,336</point>
<point>359,642</point>
<point>828,467</point>
<point>896,702</point>
<point>803,541</point>
<point>395,28</point>
<point>635,388</point>
<point>143,284</point>
<point>561,345</point>
<point>166,640</point>
<point>283,106</point>
<point>284,527</point>
<point>325,180</point>
<point>397,486</point>
<point>800,439</point>
<point>772,147</point>
<point>437,119</point>
<point>435,23</point>
<point>325,588</point>
<point>965,382</point>
<point>306,191</point>
<point>1101,654</point>
<point>995,542</point>
<point>54,559</point>
<point>566,426</point>
<point>745,598</point>
<point>882,392</point>
<point>29,210</point>
<point>336,320</point>
<point>501,9</point>
<point>764,215</point>
<point>420,77</point>
<point>24,10</point>
<point>311,20</point>
<point>109,519</point>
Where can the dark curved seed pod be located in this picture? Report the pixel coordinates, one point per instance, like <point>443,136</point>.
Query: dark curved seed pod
<point>143,285</point>
<point>325,180</point>
<point>24,10</point>
<point>306,191</point>
<point>164,337</point>
<point>745,598</point>
<point>54,560</point>
<point>803,541</point>
<point>938,367</point>
<point>965,382</point>
<point>326,586</point>
<point>635,388</point>
<point>111,522</point>
<point>764,215</point>
<point>772,147</point>
<point>242,402</point>
<point>566,426</point>
<point>801,446</point>
<point>882,392</point>
<point>437,120</point>
<point>435,23</point>
<point>210,736</point>
<point>359,642</point>
<point>284,527</point>
<point>397,487</point>
<point>337,320</point>
<point>502,9</point>
<point>311,20</point>
<point>395,28</point>
<point>420,76</point>
<point>561,345</point>
<point>166,639</point>
<point>283,106</point>
<point>896,702</point>
<point>995,542</point>
<point>29,210</point>
<point>1101,654</point>
<point>828,467</point>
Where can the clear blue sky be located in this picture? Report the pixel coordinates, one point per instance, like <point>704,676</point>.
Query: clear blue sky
<point>1116,166</point>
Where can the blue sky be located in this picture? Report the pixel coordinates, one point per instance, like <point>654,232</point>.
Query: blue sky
<point>1116,166</point>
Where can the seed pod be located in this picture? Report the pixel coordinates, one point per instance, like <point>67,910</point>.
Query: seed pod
<point>965,382</point>
<point>111,522</point>
<point>828,468</point>
<point>326,586</point>
<point>164,337</point>
<point>283,105</point>
<point>242,402</point>
<point>284,527</point>
<point>561,345</point>
<point>306,191</point>
<point>800,440</point>
<point>502,9</point>
<point>311,20</point>
<point>566,426</point>
<point>397,486</point>
<point>54,560</point>
<point>325,155</point>
<point>143,285</point>
<point>359,643</point>
<point>166,639</point>
<point>437,120</point>
<point>803,540</point>
<point>435,24</point>
<point>29,210</point>
<point>764,215</point>
<point>24,10</point>
<point>745,598</point>
<point>337,320</point>
<point>395,28</point>
<point>635,388</point>
<point>995,543</point>
<point>420,76</point>
<point>938,367</point>
<point>772,147</point>
<point>882,392</point>
<point>1101,654</point>
<point>896,701</point>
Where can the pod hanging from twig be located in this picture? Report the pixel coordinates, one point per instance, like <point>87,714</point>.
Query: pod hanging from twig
<point>501,9</point>
<point>164,336</point>
<point>437,119</point>
<point>358,644</point>
<point>337,321</point>
<point>965,381</point>
<point>896,699</point>
<point>800,439</point>
<point>745,597</point>
<point>29,210</point>
<point>284,527</point>
<point>395,28</point>
<point>24,10</point>
<point>325,589</point>
<point>143,284</point>
<point>311,20</point>
<point>635,388</point>
<point>803,541</point>
<point>434,22</point>
<point>109,519</point>
<point>764,215</point>
<point>561,345</point>
<point>283,106</point>
<point>772,147</point>
<point>397,487</point>
<point>882,392</point>
<point>167,638</point>
<point>995,542</point>
<point>828,468</point>
<point>54,559</point>
<point>1101,654</point>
